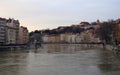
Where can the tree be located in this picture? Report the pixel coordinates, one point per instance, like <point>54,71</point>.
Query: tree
<point>105,31</point>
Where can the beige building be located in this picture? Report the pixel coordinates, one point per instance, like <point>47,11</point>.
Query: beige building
<point>45,38</point>
<point>12,29</point>
<point>72,38</point>
<point>57,38</point>
<point>78,38</point>
<point>89,36</point>
<point>51,38</point>
<point>23,35</point>
<point>54,38</point>
<point>117,32</point>
<point>64,38</point>
<point>82,36</point>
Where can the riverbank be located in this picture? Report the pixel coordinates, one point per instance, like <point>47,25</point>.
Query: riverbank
<point>2,48</point>
<point>86,46</point>
<point>109,47</point>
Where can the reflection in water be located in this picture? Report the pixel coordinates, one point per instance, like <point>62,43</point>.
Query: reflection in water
<point>64,48</point>
<point>110,63</point>
<point>59,59</point>
<point>11,63</point>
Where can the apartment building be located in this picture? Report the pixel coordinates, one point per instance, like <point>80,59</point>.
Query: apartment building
<point>2,30</point>
<point>12,29</point>
<point>23,35</point>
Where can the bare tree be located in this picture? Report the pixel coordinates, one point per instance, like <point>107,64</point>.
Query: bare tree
<point>105,31</point>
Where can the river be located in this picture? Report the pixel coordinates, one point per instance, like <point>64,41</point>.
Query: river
<point>60,59</point>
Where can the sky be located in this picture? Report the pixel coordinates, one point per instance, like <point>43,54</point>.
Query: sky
<point>49,14</point>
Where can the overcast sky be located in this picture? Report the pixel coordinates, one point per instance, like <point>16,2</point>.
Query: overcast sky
<point>44,14</point>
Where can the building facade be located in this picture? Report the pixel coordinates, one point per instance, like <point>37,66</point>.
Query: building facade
<point>2,30</point>
<point>72,38</point>
<point>51,38</point>
<point>23,35</point>
<point>116,34</point>
<point>12,29</point>
<point>45,38</point>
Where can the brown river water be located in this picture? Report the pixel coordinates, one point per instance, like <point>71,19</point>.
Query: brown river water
<point>60,59</point>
